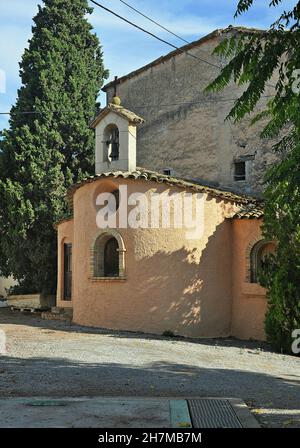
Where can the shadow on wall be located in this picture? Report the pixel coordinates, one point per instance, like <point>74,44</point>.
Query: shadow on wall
<point>196,293</point>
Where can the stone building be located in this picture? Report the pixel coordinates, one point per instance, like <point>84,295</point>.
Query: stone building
<point>184,132</point>
<point>152,252</point>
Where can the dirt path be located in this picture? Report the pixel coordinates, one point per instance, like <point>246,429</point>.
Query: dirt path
<point>47,358</point>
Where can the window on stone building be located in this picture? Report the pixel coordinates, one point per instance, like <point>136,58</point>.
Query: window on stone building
<point>239,170</point>
<point>169,171</point>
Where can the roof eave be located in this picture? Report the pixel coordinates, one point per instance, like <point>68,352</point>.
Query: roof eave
<point>184,48</point>
<point>105,111</point>
<point>147,175</point>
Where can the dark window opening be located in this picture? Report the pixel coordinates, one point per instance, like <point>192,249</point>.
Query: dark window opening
<point>239,171</point>
<point>116,194</point>
<point>113,143</point>
<point>259,259</point>
<point>67,295</point>
<point>111,258</point>
<point>167,172</point>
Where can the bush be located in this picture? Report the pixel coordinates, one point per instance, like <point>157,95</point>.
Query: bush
<point>283,315</point>
<point>168,334</point>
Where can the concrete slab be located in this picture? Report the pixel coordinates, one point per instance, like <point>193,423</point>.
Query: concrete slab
<point>103,412</point>
<point>84,413</point>
<point>243,413</point>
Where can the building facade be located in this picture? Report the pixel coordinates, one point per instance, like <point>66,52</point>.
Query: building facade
<point>184,133</point>
<point>187,264</point>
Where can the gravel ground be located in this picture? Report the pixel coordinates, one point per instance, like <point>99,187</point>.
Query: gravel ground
<point>50,358</point>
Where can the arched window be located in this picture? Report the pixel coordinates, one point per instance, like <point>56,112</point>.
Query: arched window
<point>111,143</point>
<point>107,255</point>
<point>258,256</point>
<point>111,258</point>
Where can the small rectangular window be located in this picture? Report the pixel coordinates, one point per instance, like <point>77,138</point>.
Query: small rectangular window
<point>239,171</point>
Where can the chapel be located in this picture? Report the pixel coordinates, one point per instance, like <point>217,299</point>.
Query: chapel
<point>150,252</point>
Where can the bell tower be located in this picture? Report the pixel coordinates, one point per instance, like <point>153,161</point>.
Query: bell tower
<point>116,133</point>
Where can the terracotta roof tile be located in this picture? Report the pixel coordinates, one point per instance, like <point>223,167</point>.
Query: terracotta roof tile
<point>119,110</point>
<point>250,211</point>
<point>147,175</point>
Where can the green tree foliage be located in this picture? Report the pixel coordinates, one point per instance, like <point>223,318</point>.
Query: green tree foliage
<point>254,57</point>
<point>52,146</point>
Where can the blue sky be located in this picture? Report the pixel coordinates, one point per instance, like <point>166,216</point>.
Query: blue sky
<point>125,48</point>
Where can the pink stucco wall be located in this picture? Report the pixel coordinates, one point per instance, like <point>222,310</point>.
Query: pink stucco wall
<point>191,287</point>
<point>64,236</point>
<point>249,299</point>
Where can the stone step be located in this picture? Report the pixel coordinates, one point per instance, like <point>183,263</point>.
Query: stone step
<point>29,309</point>
<point>57,313</point>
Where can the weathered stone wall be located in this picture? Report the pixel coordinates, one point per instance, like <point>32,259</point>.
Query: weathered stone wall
<point>6,283</point>
<point>193,139</point>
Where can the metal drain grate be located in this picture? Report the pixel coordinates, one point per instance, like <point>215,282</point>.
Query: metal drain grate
<point>213,413</point>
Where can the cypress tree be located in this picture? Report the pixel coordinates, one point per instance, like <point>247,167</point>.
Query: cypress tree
<point>47,149</point>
